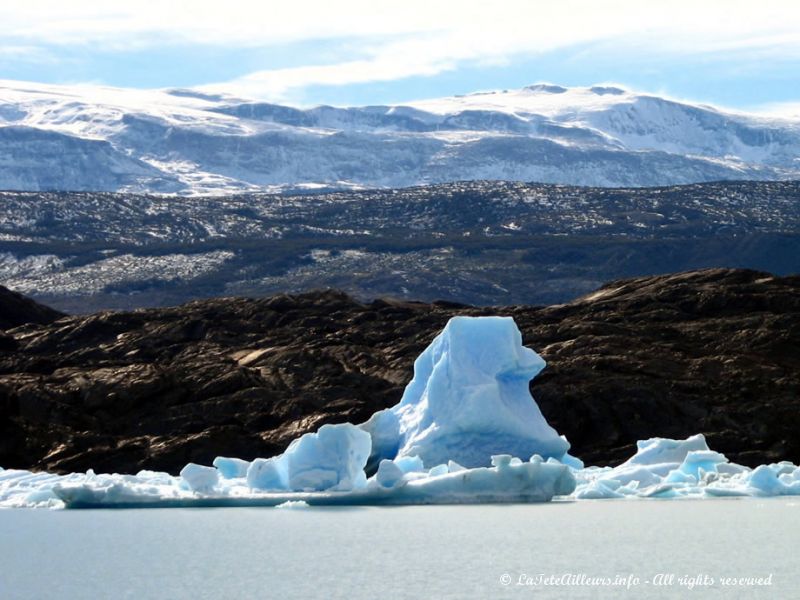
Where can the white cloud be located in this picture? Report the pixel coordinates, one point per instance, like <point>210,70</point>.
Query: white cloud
<point>29,53</point>
<point>786,110</point>
<point>423,37</point>
<point>276,84</point>
<point>237,22</point>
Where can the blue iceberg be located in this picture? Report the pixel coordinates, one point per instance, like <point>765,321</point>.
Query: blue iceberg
<point>468,400</point>
<point>466,430</point>
<point>666,468</point>
<point>331,459</point>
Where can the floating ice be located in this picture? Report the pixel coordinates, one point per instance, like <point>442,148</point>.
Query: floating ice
<point>664,468</point>
<point>20,488</point>
<point>510,480</point>
<point>689,474</point>
<point>468,400</point>
<point>662,451</point>
<point>199,478</point>
<point>231,467</point>
<point>267,474</point>
<point>782,479</point>
<point>460,434</point>
<point>389,474</point>
<point>293,504</point>
<point>331,459</point>
<point>507,481</point>
<point>409,464</point>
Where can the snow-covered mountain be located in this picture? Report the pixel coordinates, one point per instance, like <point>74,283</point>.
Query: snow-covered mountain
<point>189,142</point>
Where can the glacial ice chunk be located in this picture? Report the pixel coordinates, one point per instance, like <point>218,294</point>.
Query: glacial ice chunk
<point>332,458</point>
<point>438,470</point>
<point>454,467</point>
<point>698,462</point>
<point>468,400</point>
<point>199,478</point>
<point>768,480</point>
<point>231,468</point>
<point>268,474</point>
<point>664,450</point>
<point>599,490</point>
<point>389,474</point>
<point>293,504</point>
<point>665,468</point>
<point>409,464</point>
<point>508,480</point>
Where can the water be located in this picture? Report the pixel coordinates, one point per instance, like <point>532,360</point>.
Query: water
<point>411,552</point>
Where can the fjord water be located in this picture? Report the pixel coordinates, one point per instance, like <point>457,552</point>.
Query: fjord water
<point>404,552</point>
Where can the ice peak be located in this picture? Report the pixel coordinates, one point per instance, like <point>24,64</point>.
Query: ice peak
<point>469,400</point>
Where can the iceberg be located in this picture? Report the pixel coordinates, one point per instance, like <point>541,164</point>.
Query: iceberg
<point>199,478</point>
<point>331,459</point>
<point>666,468</point>
<point>466,430</point>
<point>231,467</point>
<point>468,400</point>
<point>508,480</point>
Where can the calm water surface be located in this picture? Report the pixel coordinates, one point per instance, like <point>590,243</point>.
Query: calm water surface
<point>405,552</point>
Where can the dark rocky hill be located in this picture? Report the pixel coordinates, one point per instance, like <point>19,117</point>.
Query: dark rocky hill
<point>713,351</point>
<point>16,310</point>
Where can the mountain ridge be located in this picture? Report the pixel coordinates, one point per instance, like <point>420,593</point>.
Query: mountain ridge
<point>191,143</point>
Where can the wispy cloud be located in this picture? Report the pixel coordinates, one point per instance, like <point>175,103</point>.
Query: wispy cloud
<point>29,53</point>
<point>789,110</point>
<point>422,37</point>
<point>277,84</point>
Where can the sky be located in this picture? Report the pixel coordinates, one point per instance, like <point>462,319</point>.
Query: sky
<point>737,54</point>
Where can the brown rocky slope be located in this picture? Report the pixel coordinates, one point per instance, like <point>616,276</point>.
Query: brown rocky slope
<point>714,351</point>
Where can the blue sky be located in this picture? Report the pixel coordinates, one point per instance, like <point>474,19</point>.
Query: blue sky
<point>736,54</point>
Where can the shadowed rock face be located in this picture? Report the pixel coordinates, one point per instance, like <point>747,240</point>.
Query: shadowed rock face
<point>16,310</point>
<point>714,351</point>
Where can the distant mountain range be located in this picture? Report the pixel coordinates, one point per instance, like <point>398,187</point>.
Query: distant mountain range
<point>476,242</point>
<point>187,142</point>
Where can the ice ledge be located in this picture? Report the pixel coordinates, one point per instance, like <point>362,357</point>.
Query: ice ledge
<point>509,480</point>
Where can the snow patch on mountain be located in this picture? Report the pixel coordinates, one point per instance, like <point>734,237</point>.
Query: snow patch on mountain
<point>35,274</point>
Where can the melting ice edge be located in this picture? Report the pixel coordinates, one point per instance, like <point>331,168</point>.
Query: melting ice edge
<point>465,431</point>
